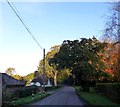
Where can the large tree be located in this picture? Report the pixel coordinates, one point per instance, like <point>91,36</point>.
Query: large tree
<point>112,35</point>
<point>50,71</point>
<point>109,57</point>
<point>82,57</point>
<point>112,29</point>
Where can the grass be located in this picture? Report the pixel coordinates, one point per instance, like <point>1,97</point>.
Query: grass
<point>93,98</point>
<point>27,100</point>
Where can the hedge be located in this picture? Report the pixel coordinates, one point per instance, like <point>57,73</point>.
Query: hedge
<point>110,90</point>
<point>20,93</point>
<point>26,91</point>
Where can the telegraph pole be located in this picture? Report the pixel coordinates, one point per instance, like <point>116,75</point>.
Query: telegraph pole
<point>44,69</point>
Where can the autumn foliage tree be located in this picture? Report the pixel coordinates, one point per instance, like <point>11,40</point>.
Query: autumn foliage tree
<point>110,58</point>
<point>112,37</point>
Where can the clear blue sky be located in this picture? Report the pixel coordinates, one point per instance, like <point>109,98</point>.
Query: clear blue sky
<point>50,23</point>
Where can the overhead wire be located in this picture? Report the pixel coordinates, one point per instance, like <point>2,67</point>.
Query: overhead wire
<point>22,21</point>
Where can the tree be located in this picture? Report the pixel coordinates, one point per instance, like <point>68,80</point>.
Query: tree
<point>109,57</point>
<point>18,77</point>
<point>112,29</point>
<point>51,72</point>
<point>63,74</point>
<point>51,54</point>
<point>10,71</point>
<point>82,57</point>
<point>28,78</point>
<point>112,34</point>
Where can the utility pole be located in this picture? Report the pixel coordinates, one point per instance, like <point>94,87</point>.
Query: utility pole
<point>44,69</point>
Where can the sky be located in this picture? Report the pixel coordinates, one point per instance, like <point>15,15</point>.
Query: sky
<point>51,23</point>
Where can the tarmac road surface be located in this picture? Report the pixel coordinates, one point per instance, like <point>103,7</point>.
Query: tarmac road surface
<point>64,96</point>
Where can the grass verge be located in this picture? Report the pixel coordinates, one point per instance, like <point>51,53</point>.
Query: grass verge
<point>93,98</point>
<point>26,100</point>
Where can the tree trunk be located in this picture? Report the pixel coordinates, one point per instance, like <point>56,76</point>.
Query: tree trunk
<point>55,79</point>
<point>73,76</point>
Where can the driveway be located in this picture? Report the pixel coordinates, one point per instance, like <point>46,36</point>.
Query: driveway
<point>65,96</point>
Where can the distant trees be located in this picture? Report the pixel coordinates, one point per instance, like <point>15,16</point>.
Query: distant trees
<point>36,74</point>
<point>10,71</point>
<point>82,57</point>
<point>28,78</point>
<point>18,77</point>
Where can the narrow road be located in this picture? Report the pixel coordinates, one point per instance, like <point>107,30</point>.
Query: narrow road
<point>65,96</point>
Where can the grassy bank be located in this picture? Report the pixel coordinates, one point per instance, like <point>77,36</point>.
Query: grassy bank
<point>93,98</point>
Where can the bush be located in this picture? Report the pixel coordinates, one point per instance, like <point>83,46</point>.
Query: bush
<point>111,90</point>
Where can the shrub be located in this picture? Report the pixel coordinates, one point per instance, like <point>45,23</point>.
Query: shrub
<point>111,90</point>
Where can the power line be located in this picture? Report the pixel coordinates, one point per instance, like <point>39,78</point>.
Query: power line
<point>22,21</point>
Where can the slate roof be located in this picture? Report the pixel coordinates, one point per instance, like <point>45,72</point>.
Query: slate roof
<point>10,81</point>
